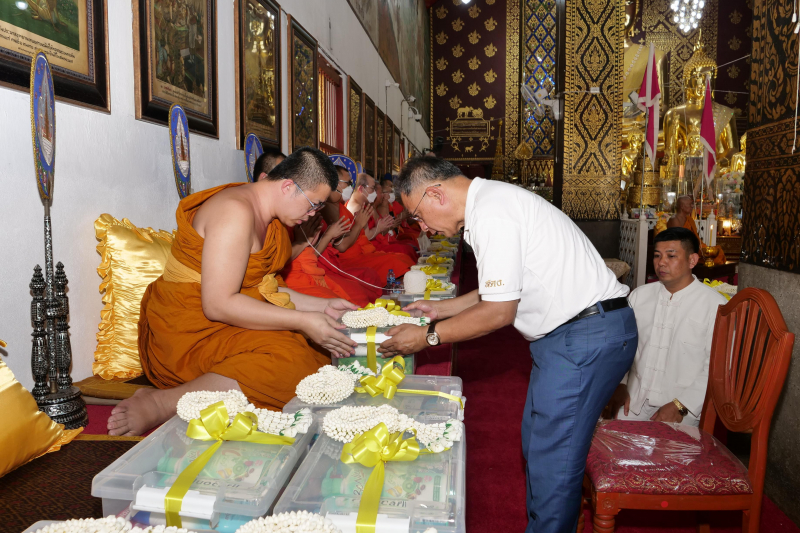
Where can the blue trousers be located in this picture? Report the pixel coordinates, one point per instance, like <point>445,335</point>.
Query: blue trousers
<point>576,369</point>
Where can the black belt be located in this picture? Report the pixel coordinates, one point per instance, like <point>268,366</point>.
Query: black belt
<point>613,304</point>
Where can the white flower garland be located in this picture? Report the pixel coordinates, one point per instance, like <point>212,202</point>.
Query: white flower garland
<point>378,317</point>
<point>294,522</point>
<point>109,524</point>
<point>331,384</point>
<point>345,423</point>
<point>273,422</point>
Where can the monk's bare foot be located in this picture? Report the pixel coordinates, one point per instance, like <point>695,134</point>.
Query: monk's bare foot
<point>139,413</point>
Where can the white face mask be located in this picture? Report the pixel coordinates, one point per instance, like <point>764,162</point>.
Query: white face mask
<point>391,197</point>
<point>347,192</point>
<point>371,196</point>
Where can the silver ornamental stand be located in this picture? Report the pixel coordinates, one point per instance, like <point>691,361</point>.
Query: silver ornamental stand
<point>51,353</point>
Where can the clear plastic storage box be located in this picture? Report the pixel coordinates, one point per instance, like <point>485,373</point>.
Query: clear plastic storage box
<point>417,495</point>
<point>410,404</point>
<point>411,360</point>
<point>239,483</point>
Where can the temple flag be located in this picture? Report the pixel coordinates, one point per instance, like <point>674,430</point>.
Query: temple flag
<point>708,135</point>
<point>649,101</point>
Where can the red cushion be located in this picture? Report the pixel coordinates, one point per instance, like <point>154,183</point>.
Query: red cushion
<point>659,458</point>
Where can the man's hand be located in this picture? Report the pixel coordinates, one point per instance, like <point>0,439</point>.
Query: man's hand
<point>363,216</point>
<point>322,329</point>
<point>385,224</point>
<point>667,413</point>
<point>426,308</point>
<point>620,398</point>
<point>310,230</point>
<point>337,307</point>
<point>405,340</point>
<point>338,228</point>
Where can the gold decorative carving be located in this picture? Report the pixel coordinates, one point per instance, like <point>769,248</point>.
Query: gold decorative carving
<point>441,37</point>
<point>474,89</point>
<point>489,2</point>
<point>511,123</point>
<point>474,63</point>
<point>490,75</point>
<point>458,50</point>
<point>458,76</point>
<point>455,102</point>
<point>458,24</point>
<point>734,43</point>
<point>474,11</point>
<point>490,50</point>
<point>735,17</point>
<point>469,124</point>
<point>730,98</point>
<point>489,102</point>
<point>441,63</point>
<point>441,89</point>
<point>733,72</point>
<point>490,23</point>
<point>474,37</point>
<point>441,12</point>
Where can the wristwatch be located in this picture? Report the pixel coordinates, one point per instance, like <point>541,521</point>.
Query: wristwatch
<point>681,408</point>
<point>432,338</point>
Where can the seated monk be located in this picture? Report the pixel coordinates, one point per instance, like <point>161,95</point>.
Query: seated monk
<point>238,327</point>
<point>405,232</point>
<point>683,219</point>
<point>356,249</point>
<point>675,319</point>
<point>387,241</point>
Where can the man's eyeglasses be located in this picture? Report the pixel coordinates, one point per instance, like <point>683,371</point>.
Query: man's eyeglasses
<point>314,207</point>
<point>414,216</point>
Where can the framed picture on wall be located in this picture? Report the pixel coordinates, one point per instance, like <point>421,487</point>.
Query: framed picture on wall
<point>380,143</point>
<point>257,38</point>
<point>397,158</point>
<point>73,35</point>
<point>303,130</point>
<point>355,114</point>
<point>390,158</point>
<point>175,61</point>
<point>369,135</point>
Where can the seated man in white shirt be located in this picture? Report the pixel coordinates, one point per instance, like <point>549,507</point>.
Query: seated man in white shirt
<point>675,318</point>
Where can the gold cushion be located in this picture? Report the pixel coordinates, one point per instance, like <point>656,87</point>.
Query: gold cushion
<point>131,259</point>
<point>26,432</point>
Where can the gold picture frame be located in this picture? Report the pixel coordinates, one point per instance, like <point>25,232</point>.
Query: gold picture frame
<point>380,143</point>
<point>257,38</point>
<point>355,120</point>
<point>303,74</point>
<point>370,119</point>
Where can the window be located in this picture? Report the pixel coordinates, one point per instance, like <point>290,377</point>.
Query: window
<point>331,126</point>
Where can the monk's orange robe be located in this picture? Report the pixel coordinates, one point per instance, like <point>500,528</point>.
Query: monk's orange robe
<point>363,254</point>
<point>304,275</point>
<point>690,225</point>
<point>177,343</point>
<point>408,230</point>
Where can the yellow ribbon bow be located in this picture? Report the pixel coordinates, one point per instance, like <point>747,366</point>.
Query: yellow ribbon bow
<point>394,309</point>
<point>714,284</point>
<point>373,449</point>
<point>213,424</point>
<point>392,374</point>
<point>436,259</point>
<point>433,285</point>
<point>433,270</point>
<point>448,244</point>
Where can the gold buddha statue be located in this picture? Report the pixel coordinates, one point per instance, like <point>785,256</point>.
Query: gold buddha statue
<point>678,120</point>
<point>635,63</point>
<point>739,159</point>
<point>631,156</point>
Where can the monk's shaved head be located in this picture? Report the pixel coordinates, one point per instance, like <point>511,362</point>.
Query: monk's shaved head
<point>308,167</point>
<point>364,180</point>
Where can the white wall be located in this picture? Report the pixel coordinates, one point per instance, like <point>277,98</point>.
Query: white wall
<point>118,165</point>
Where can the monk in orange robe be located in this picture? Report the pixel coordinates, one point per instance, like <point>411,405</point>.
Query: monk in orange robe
<point>220,318</point>
<point>683,219</point>
<point>388,241</point>
<point>357,249</point>
<point>406,233</point>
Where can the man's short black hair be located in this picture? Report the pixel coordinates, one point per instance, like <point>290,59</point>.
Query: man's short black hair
<point>267,161</point>
<point>688,240</point>
<point>423,170</point>
<point>308,167</point>
<point>387,177</point>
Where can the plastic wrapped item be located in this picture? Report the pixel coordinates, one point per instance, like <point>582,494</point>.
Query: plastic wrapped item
<point>405,299</point>
<point>409,404</point>
<point>417,495</point>
<point>662,458</point>
<point>241,479</point>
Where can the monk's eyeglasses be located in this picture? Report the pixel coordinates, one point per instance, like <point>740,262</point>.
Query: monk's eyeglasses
<point>414,216</point>
<point>314,207</point>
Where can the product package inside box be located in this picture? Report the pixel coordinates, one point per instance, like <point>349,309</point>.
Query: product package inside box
<point>416,495</point>
<point>406,299</point>
<point>450,253</point>
<point>240,482</point>
<point>409,359</point>
<point>409,404</point>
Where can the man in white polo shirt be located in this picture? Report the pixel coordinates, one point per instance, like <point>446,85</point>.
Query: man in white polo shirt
<point>537,270</point>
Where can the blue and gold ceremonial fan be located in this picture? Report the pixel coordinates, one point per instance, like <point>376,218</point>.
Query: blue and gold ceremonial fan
<point>252,151</point>
<point>179,142</point>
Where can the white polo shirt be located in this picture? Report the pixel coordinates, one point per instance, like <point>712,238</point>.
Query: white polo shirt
<point>530,251</point>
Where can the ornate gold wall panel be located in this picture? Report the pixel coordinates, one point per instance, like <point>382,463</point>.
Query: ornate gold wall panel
<point>771,200</point>
<point>592,122</point>
<point>512,118</point>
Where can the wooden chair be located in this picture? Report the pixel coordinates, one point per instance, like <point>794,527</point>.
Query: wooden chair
<point>652,465</point>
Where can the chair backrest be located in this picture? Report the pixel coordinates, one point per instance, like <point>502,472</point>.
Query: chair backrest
<point>750,354</point>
